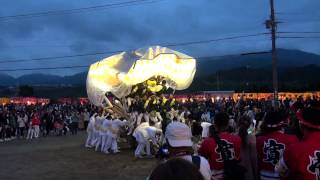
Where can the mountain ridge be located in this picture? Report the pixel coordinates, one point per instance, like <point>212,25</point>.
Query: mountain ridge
<point>205,67</point>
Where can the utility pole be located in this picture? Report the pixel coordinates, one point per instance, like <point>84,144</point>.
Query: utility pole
<point>272,24</point>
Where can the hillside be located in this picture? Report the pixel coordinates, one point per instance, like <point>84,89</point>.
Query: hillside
<point>298,71</point>
<point>306,78</point>
<point>286,58</point>
<point>205,67</point>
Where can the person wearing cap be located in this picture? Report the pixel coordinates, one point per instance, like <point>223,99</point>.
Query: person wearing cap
<point>302,160</point>
<point>211,151</point>
<point>272,143</point>
<point>178,136</point>
<point>143,134</point>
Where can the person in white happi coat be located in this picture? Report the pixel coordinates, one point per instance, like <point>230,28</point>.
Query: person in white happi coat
<point>97,129</point>
<point>205,129</point>
<point>105,134</point>
<point>181,117</point>
<point>116,124</point>
<point>90,131</point>
<point>143,135</point>
<point>132,122</point>
<point>143,117</point>
<point>205,116</point>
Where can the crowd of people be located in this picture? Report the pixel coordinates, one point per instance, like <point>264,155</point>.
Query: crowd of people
<point>213,138</point>
<point>223,139</point>
<point>18,121</point>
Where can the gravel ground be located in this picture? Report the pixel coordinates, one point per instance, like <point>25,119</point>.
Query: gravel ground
<point>66,158</point>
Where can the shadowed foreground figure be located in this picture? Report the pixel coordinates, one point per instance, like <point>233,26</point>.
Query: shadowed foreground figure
<point>176,169</point>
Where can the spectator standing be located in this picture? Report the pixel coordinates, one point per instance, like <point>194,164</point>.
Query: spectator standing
<point>176,169</point>
<point>13,125</point>
<point>248,148</point>
<point>272,143</point>
<point>178,136</point>
<point>21,125</point>
<point>2,127</point>
<point>211,151</point>
<point>302,160</point>
<point>86,118</point>
<point>35,121</point>
<point>75,117</point>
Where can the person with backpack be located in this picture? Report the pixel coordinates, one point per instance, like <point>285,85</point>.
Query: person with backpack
<point>222,149</point>
<point>178,138</point>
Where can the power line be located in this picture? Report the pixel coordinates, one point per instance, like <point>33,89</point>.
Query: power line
<point>59,57</point>
<point>119,51</point>
<point>78,10</point>
<point>44,68</point>
<point>214,40</point>
<point>298,37</point>
<point>305,21</point>
<point>294,13</point>
<point>64,45</point>
<point>86,66</point>
<point>300,32</point>
<point>71,45</point>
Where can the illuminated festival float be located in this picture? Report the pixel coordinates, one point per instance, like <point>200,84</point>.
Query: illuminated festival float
<point>139,77</point>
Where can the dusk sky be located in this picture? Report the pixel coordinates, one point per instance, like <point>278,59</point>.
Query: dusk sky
<point>144,24</point>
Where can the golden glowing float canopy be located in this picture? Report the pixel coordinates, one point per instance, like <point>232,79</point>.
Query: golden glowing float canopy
<point>118,73</point>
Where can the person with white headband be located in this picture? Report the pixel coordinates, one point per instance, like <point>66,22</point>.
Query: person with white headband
<point>272,143</point>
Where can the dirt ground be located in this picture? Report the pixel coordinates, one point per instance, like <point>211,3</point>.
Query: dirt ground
<point>66,158</point>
